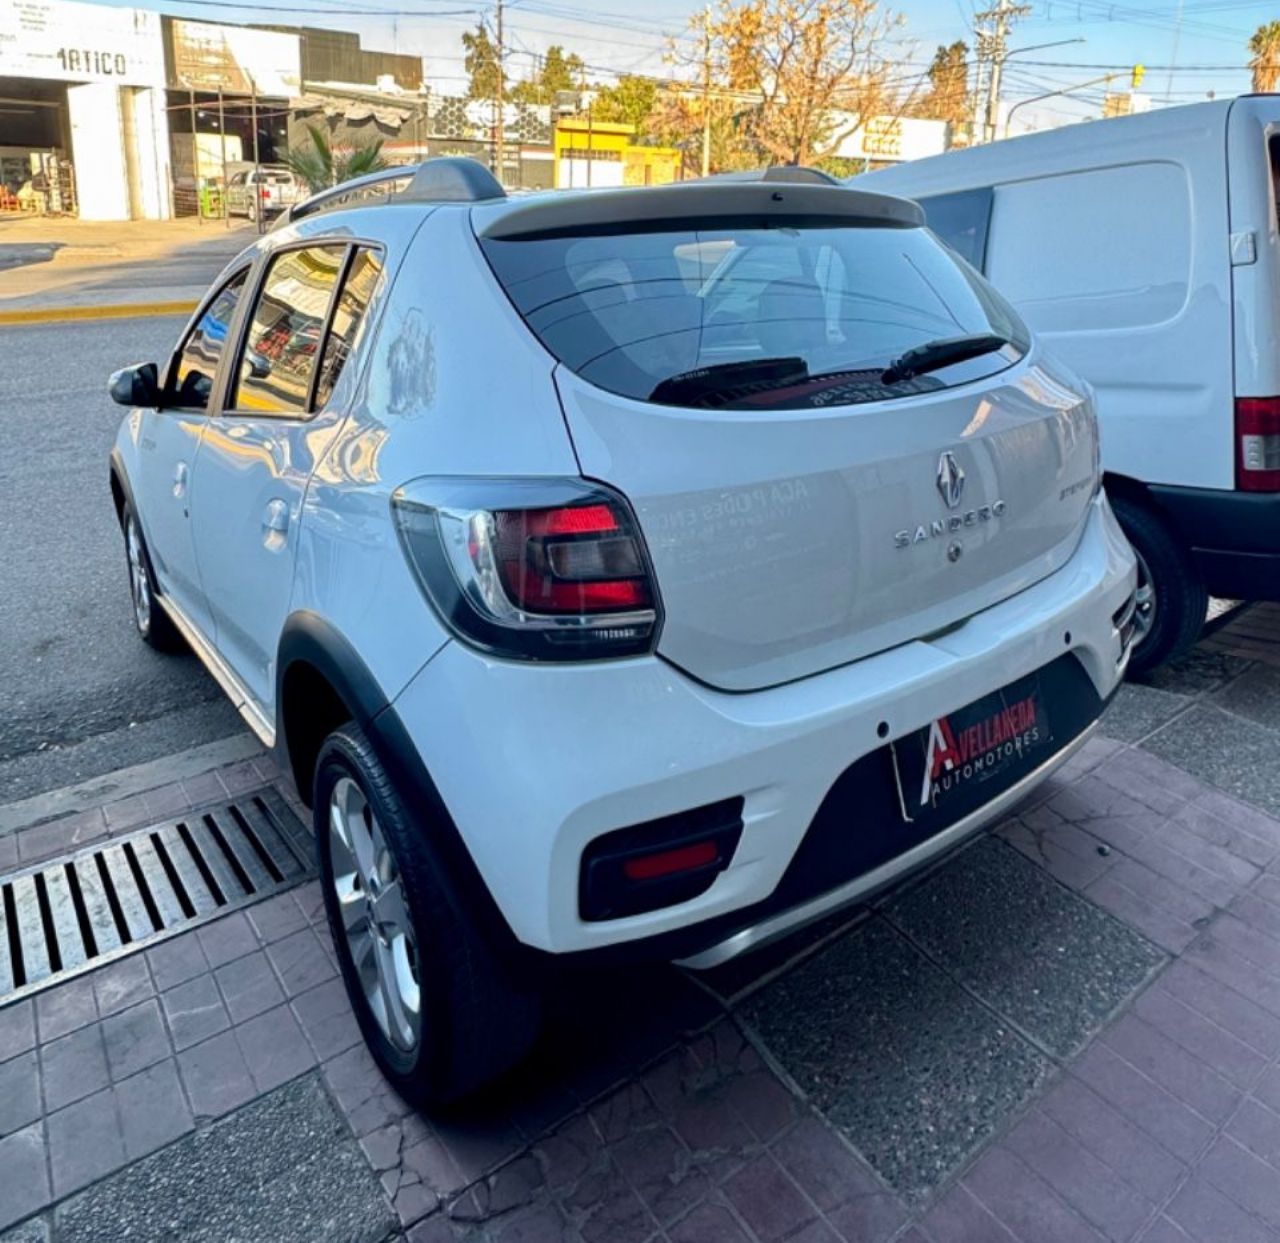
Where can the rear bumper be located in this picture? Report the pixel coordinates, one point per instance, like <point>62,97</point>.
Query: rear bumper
<point>535,762</point>
<point>1233,538</point>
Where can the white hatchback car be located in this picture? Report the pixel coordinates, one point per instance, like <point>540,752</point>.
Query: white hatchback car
<point>642,573</point>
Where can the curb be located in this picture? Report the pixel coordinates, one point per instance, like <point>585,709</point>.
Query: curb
<point>124,310</point>
<point>149,775</point>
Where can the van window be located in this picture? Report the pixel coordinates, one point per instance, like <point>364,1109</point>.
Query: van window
<point>1102,249</point>
<point>791,316</point>
<point>1273,158</point>
<point>961,221</point>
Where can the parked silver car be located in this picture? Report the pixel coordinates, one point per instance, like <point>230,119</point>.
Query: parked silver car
<point>263,191</point>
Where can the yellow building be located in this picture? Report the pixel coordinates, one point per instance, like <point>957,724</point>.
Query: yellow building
<point>601,153</point>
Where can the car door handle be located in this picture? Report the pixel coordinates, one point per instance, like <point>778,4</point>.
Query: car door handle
<point>181,473</point>
<point>275,525</point>
<point>275,518</point>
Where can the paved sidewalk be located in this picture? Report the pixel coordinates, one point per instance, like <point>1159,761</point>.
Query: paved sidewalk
<point>1068,1031</point>
<point>49,265</point>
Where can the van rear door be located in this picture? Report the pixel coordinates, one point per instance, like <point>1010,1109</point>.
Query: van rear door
<point>1253,162</point>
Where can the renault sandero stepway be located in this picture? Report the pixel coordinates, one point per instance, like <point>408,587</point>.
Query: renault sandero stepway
<point>622,575</point>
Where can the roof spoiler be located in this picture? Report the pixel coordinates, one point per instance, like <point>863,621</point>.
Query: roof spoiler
<point>445,179</point>
<point>793,174</point>
<point>746,203</point>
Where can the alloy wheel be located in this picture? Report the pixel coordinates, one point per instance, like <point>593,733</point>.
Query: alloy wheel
<point>139,583</point>
<point>1144,613</point>
<point>375,915</point>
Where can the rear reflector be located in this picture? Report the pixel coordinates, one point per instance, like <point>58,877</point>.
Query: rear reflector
<point>1258,444</point>
<point>669,862</point>
<point>658,863</point>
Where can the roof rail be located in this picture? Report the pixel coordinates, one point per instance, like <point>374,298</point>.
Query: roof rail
<point>446,179</point>
<point>793,174</point>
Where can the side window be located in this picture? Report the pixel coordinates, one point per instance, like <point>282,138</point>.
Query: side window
<point>237,180</point>
<point>961,220</point>
<point>191,380</point>
<point>1114,262</point>
<point>348,317</point>
<point>283,340</point>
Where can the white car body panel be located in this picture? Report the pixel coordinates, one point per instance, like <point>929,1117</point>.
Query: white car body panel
<point>773,532</point>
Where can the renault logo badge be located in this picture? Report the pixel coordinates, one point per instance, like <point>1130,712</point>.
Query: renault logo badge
<point>950,480</point>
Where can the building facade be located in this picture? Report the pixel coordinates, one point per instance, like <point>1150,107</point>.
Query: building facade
<point>85,128</point>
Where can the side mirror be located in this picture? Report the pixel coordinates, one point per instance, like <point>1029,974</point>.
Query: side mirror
<point>138,385</point>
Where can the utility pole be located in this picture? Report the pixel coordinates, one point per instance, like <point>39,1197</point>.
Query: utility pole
<point>992,38</point>
<point>499,156</point>
<point>706,91</point>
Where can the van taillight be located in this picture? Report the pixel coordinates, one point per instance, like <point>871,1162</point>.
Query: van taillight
<point>1258,444</point>
<point>540,569</point>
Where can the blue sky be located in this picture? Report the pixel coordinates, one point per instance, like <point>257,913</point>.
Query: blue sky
<point>615,36</point>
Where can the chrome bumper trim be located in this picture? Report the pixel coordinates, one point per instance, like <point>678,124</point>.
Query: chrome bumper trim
<point>788,921</point>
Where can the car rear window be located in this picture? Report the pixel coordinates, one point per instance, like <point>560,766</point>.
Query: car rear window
<point>640,313</point>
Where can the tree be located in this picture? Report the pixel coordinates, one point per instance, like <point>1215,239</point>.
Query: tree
<point>1264,61</point>
<point>480,60</point>
<point>948,98</point>
<point>321,167</point>
<point>629,101</point>
<point>557,72</point>
<point>818,69</point>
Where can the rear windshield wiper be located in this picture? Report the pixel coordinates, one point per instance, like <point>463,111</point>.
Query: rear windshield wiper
<point>941,353</point>
<point>723,379</point>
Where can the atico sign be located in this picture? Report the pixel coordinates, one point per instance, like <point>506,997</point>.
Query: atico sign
<point>71,42</point>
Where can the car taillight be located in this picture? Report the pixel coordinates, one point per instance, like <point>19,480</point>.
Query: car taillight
<point>1258,444</point>
<point>539,569</point>
<point>266,194</point>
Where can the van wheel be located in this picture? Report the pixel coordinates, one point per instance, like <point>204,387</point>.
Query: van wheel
<point>1172,601</point>
<point>440,1013</point>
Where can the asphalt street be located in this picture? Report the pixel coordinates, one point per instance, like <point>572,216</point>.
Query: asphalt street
<point>83,695</point>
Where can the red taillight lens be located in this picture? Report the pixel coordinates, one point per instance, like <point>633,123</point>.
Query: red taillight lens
<point>1258,444</point>
<point>544,569</point>
<point>266,194</point>
<point>575,559</point>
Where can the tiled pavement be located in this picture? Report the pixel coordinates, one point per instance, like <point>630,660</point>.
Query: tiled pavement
<point>1069,1031</point>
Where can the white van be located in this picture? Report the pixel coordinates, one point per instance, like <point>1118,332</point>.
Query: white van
<point>1144,252</point>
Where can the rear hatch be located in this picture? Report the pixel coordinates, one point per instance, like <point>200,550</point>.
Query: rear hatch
<point>804,503</point>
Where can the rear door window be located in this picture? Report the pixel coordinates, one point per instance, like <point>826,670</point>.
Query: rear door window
<point>644,314</point>
<point>358,286</point>
<point>282,345</point>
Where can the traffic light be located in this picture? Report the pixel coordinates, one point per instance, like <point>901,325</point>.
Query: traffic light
<point>1135,80</point>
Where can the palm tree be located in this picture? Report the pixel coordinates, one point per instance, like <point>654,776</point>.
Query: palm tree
<point>1265,59</point>
<point>321,167</point>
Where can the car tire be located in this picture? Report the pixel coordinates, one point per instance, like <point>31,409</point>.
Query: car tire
<point>1172,601</point>
<point>441,1013</point>
<point>154,626</point>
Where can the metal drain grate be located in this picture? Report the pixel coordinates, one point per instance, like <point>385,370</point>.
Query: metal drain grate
<point>82,910</point>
